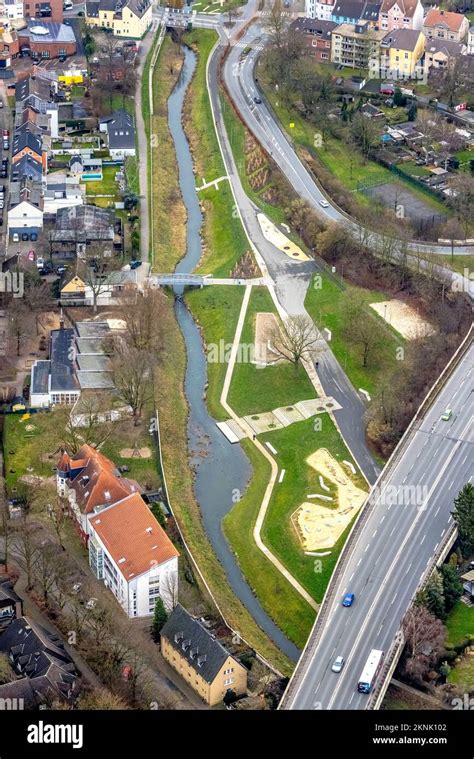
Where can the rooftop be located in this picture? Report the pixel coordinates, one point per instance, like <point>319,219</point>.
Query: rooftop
<point>194,643</point>
<point>133,537</point>
<point>450,20</point>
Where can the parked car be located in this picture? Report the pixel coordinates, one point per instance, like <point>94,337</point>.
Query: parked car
<point>25,236</point>
<point>135,264</point>
<point>60,270</point>
<point>33,237</point>
<point>6,133</point>
<point>39,260</point>
<point>15,237</point>
<point>348,599</point>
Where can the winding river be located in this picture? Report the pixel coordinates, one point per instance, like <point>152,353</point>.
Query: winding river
<point>221,468</point>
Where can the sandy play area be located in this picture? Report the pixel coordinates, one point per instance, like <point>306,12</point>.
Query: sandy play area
<point>403,318</point>
<point>137,453</point>
<point>320,526</point>
<point>279,240</point>
<point>265,323</point>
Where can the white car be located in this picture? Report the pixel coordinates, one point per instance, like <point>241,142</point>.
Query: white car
<point>15,237</point>
<point>337,664</point>
<point>91,604</point>
<point>40,262</point>
<point>324,203</point>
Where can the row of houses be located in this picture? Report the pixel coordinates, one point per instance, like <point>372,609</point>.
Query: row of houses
<point>388,39</point>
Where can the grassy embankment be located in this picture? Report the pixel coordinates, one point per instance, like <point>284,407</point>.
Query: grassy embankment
<point>326,307</point>
<point>168,213</point>
<point>224,240</point>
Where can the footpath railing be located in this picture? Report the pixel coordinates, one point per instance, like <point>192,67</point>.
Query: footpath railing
<point>313,640</point>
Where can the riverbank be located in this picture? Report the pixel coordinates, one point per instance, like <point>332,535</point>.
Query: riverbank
<point>224,240</point>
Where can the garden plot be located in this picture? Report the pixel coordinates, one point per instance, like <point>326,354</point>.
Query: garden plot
<point>321,523</point>
<point>403,318</point>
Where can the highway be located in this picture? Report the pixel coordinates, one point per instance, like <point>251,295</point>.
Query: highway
<point>386,563</point>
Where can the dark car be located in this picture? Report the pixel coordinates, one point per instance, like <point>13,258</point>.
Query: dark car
<point>25,236</point>
<point>33,236</point>
<point>135,264</point>
<point>257,100</point>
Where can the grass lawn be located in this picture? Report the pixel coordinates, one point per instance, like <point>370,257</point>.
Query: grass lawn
<point>131,172</point>
<point>217,311</point>
<point>411,168</point>
<point>326,307</point>
<point>462,264</point>
<point>281,601</point>
<point>460,624</point>
<point>173,426</point>
<point>294,444</point>
<point>27,452</point>
<point>108,185</point>
<point>223,235</point>
<point>253,389</point>
<point>463,674</point>
<point>168,218</point>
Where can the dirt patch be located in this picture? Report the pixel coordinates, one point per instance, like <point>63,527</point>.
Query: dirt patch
<point>320,526</point>
<point>136,453</point>
<point>403,318</point>
<point>265,324</point>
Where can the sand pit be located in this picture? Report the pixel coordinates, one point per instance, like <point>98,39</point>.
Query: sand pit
<point>320,526</point>
<point>403,318</point>
<point>264,325</point>
<point>135,453</point>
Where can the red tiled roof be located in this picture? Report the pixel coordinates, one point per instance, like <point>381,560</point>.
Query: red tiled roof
<point>133,537</point>
<point>452,20</point>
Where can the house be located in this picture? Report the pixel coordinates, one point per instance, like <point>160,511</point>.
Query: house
<point>25,142</point>
<point>201,660</point>
<point>54,381</point>
<point>13,10</point>
<point>470,41</point>
<point>468,584</point>
<point>125,18</point>
<point>356,46</point>
<point>133,555</point>
<point>24,217</point>
<point>76,166</point>
<point>43,41</point>
<point>319,9</point>
<point>9,47</point>
<point>61,192</point>
<point>45,671</point>
<point>440,54</point>
<point>27,167</point>
<point>317,36</point>
<point>355,11</point>
<point>80,225</point>
<point>401,14</point>
<point>400,52</point>
<point>90,482</point>
<point>445,25</point>
<point>11,605</point>
<point>371,111</point>
<point>120,131</point>
<point>50,10</point>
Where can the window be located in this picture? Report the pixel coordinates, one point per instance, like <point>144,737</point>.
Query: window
<point>229,681</point>
<point>228,671</point>
<point>324,56</point>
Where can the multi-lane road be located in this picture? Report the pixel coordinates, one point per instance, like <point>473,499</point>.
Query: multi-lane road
<point>391,555</point>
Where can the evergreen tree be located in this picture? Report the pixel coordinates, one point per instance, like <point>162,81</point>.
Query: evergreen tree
<point>452,586</point>
<point>434,596</point>
<point>464,517</point>
<point>412,111</point>
<point>159,618</point>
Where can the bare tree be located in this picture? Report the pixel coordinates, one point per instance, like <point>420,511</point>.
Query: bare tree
<point>132,372</point>
<point>95,267</point>
<point>25,549</point>
<point>142,313</point>
<point>38,299</point>
<point>46,568</point>
<point>462,200</point>
<point>169,588</point>
<point>91,407</point>
<point>362,328</point>
<point>294,339</point>
<point>424,636</point>
<point>19,325</point>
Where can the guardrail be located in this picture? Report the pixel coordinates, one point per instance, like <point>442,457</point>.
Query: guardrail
<point>366,511</point>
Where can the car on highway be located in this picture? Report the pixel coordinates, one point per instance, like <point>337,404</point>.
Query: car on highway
<point>257,100</point>
<point>337,664</point>
<point>348,599</point>
<point>324,203</point>
<point>447,415</point>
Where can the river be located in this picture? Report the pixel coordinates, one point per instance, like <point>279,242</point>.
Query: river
<point>222,469</point>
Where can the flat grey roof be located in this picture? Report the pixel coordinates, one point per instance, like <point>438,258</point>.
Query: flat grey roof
<point>95,380</point>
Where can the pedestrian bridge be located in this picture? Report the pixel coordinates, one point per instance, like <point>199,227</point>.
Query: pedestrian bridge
<point>193,280</point>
